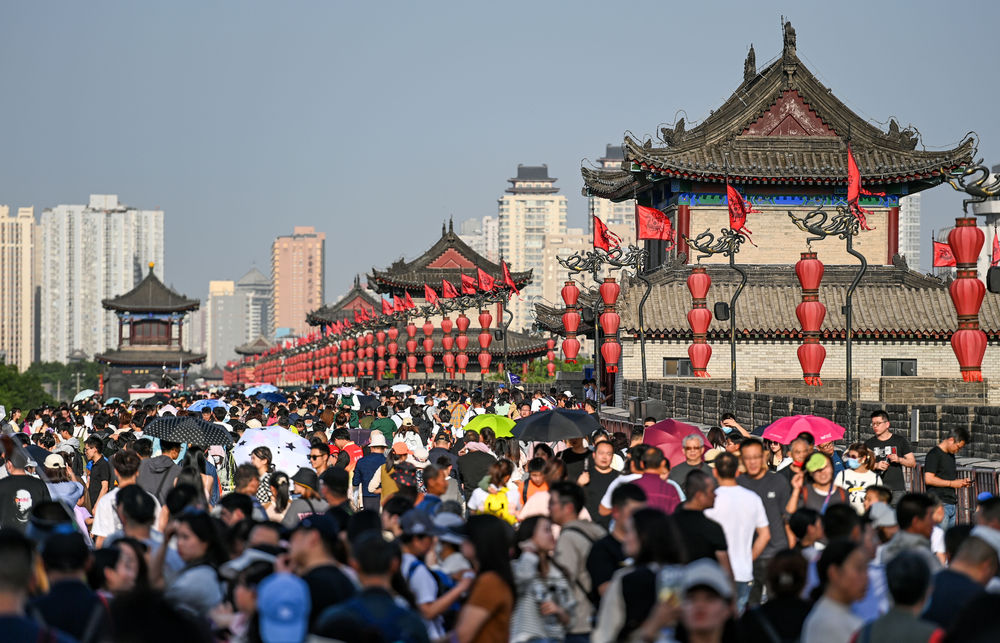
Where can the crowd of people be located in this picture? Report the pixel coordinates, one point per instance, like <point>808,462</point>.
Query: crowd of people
<point>408,524</point>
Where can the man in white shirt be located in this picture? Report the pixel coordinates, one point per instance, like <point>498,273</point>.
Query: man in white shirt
<point>744,521</point>
<point>106,519</point>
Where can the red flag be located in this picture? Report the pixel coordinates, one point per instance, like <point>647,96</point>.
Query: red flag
<point>854,190</point>
<point>995,259</point>
<point>486,282</point>
<point>408,301</point>
<point>603,238</point>
<point>430,295</point>
<point>507,279</point>
<point>357,317</point>
<point>738,211</point>
<point>386,307</point>
<point>468,285</point>
<point>397,304</point>
<point>448,290</point>
<point>942,255</point>
<point>653,224</point>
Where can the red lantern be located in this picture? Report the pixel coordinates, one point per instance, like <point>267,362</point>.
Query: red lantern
<point>699,317</point>
<point>449,362</point>
<point>609,291</point>
<point>571,321</point>
<point>485,339</point>
<point>610,321</point>
<point>551,368</point>
<point>428,345</point>
<point>429,363</point>
<point>428,328</point>
<point>550,343</point>
<point>571,348</point>
<point>380,367</point>
<point>485,319</point>
<point>393,364</point>
<point>570,293</point>
<point>370,367</point>
<point>611,352</point>
<point>968,342</point>
<point>462,322</point>
<point>462,341</point>
<point>393,348</point>
<point>811,357</point>
<point>380,351</point>
<point>966,241</point>
<point>447,342</point>
<point>411,362</point>
<point>484,362</point>
<point>380,336</point>
<point>369,352</point>
<point>411,345</point>
<point>446,325</point>
<point>411,330</point>
<point>970,347</point>
<point>393,333</point>
<point>967,296</point>
<point>462,360</point>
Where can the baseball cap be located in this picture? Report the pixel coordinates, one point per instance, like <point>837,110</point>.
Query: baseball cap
<point>989,535</point>
<point>816,462</point>
<point>283,608</point>
<point>417,523</point>
<point>449,526</point>
<point>407,421</point>
<point>377,439</point>
<point>420,456</point>
<point>325,524</point>
<point>400,448</point>
<point>706,573</point>
<point>55,461</point>
<point>881,515</point>
<point>307,478</point>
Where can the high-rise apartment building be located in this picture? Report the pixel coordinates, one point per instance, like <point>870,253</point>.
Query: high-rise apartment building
<point>529,211</point>
<point>17,319</point>
<point>223,322</point>
<point>297,273</point>
<point>909,230</point>
<point>92,252</point>
<point>482,235</point>
<point>621,214</point>
<point>254,291</point>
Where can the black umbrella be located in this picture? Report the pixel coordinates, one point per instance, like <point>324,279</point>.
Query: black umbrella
<point>367,402</point>
<point>188,429</point>
<point>555,425</point>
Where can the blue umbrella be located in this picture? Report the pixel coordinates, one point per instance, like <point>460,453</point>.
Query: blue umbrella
<point>211,404</point>
<point>112,400</point>
<point>274,398</point>
<point>267,388</point>
<point>250,392</point>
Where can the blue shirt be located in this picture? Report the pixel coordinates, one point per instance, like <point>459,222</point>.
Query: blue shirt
<point>365,470</point>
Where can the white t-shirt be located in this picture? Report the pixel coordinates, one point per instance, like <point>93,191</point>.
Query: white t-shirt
<point>477,501</point>
<point>855,483</point>
<point>106,521</point>
<point>424,587</point>
<point>740,512</point>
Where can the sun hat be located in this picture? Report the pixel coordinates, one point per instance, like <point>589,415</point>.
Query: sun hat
<point>376,439</point>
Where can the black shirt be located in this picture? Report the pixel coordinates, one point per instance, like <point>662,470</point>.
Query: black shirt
<point>703,537</point>
<point>327,586</point>
<point>18,494</point>
<point>952,591</point>
<point>100,471</point>
<point>595,490</point>
<point>774,491</point>
<point>438,452</point>
<point>70,606</point>
<point>473,467</point>
<point>893,476</point>
<point>576,463</point>
<point>785,615</point>
<point>942,465</point>
<point>605,558</point>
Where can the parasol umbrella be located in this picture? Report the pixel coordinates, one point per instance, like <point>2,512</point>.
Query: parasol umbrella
<point>555,425</point>
<point>668,436</point>
<point>501,425</point>
<point>289,452</point>
<point>367,402</point>
<point>112,400</point>
<point>84,394</point>
<point>267,388</point>
<point>209,404</point>
<point>401,388</point>
<point>250,392</point>
<point>787,429</point>
<point>274,398</point>
<point>189,430</point>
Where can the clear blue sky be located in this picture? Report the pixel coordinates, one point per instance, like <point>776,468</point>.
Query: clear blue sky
<point>376,121</point>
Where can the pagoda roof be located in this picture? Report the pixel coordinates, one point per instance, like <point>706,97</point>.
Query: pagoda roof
<point>448,258</point>
<point>781,126</point>
<point>149,357</point>
<point>151,296</point>
<point>256,347</point>
<point>344,307</point>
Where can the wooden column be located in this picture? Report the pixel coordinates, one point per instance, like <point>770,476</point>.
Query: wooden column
<point>684,227</point>
<point>892,241</point>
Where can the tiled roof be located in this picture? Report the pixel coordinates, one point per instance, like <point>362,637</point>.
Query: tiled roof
<point>256,347</point>
<point>150,295</point>
<point>339,310</point>
<point>149,358</point>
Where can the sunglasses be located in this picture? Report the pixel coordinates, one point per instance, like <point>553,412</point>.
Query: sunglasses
<point>316,457</point>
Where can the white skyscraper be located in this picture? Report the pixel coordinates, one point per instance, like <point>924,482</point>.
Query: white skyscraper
<point>611,213</point>
<point>909,230</point>
<point>530,210</point>
<point>482,235</point>
<point>17,286</point>
<point>92,252</point>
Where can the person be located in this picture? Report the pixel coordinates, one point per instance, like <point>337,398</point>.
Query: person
<point>383,424</point>
<point>235,508</point>
<point>703,537</point>
<point>577,457</point>
<point>576,537</point>
<point>892,453</point>
<point>199,543</point>
<point>474,463</point>
<point>281,495</point>
<point>501,497</point>
<point>17,572</point>
<point>782,616</point>
<point>941,474</point>
<point>243,623</point>
<point>114,570</point>
<point>417,540</point>
<point>706,612</point>
<point>660,493</point>
<point>857,475</point>
<point>348,453</point>
<point>61,481</point>
<point>261,459</point>
<point>818,491</point>
<point>99,478</point>
<point>799,451</point>
<point>694,458</point>
<point>311,550</point>
<point>909,580</point>
<point>807,526</point>
<point>485,616</point>
<point>652,542</point>
<point>843,578</point>
<point>915,517</point>
<point>608,555</point>
<point>106,520</point>
<point>544,597</point>
<point>308,501</point>
<point>773,490</point>
<point>744,521</point>
<point>970,569</point>
<point>775,455</point>
<point>436,484</point>
<point>319,457</point>
<point>19,492</point>
<point>246,482</point>
<point>829,449</point>
<point>136,510</point>
<point>157,474</point>
<point>374,610</point>
<point>597,479</point>
<point>365,470</point>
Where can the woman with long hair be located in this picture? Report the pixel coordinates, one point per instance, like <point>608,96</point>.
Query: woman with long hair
<point>117,569</point>
<point>653,541</point>
<point>857,475</point>
<point>501,497</point>
<point>193,471</point>
<point>485,616</point>
<point>716,437</point>
<point>243,622</point>
<point>262,459</point>
<point>200,544</point>
<point>280,496</point>
<point>814,487</point>
<point>545,599</point>
<point>843,579</point>
<point>774,454</point>
<point>60,479</point>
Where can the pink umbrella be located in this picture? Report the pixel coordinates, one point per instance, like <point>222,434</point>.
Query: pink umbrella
<point>668,436</point>
<point>787,429</point>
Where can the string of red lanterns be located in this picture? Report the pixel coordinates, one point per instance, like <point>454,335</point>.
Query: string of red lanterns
<point>550,356</point>
<point>447,343</point>
<point>811,313</point>
<point>571,321</point>
<point>428,345</point>
<point>485,339</point>
<point>611,349</point>
<point>967,291</point>
<point>699,317</point>
<point>462,342</point>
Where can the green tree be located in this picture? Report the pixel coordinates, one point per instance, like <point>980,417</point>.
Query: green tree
<point>23,390</point>
<point>63,378</point>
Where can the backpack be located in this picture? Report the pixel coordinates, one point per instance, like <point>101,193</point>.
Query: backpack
<point>444,585</point>
<point>497,505</point>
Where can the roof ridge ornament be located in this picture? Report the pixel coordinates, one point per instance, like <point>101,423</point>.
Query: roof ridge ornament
<point>789,59</point>
<point>750,65</point>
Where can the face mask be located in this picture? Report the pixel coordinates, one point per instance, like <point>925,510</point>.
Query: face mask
<point>727,429</point>
<point>852,463</point>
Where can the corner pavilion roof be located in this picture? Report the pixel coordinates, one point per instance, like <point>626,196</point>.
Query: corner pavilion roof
<point>448,258</point>
<point>151,296</point>
<point>129,356</point>
<point>781,126</point>
<point>256,347</point>
<point>355,299</point>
